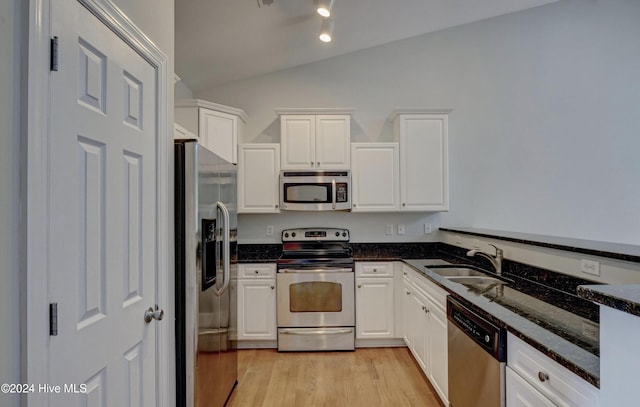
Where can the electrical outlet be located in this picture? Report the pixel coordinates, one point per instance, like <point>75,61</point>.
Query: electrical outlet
<point>401,229</point>
<point>389,229</point>
<point>590,267</point>
<point>270,230</point>
<point>427,228</point>
<point>476,244</point>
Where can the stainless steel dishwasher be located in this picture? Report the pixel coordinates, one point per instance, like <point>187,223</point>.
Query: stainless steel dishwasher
<point>477,357</point>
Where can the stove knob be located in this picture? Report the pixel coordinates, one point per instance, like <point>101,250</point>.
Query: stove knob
<point>286,234</point>
<point>293,234</point>
<point>337,234</point>
<point>344,234</point>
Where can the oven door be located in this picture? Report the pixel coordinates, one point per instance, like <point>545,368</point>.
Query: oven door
<point>316,297</point>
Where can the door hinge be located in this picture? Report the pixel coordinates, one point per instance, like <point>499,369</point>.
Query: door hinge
<point>54,53</point>
<point>53,319</point>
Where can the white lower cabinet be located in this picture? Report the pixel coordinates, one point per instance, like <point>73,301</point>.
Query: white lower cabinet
<point>522,394</point>
<point>534,379</point>
<point>374,300</point>
<point>257,305</point>
<point>425,328</point>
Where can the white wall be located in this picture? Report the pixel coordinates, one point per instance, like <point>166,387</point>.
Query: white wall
<point>9,203</point>
<point>544,132</point>
<point>363,227</point>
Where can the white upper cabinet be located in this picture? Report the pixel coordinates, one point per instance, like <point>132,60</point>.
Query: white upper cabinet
<point>258,172</point>
<point>216,126</point>
<point>424,173</point>
<point>375,172</point>
<point>314,141</point>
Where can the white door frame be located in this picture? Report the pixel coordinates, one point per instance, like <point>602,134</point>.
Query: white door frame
<point>35,200</point>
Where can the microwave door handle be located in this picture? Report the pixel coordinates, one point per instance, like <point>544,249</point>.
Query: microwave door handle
<point>226,250</point>
<point>335,193</point>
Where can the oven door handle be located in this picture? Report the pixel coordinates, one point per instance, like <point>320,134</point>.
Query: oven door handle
<point>317,270</point>
<point>340,331</point>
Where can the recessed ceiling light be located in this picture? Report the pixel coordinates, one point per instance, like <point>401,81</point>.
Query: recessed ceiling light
<point>324,7</point>
<point>326,30</point>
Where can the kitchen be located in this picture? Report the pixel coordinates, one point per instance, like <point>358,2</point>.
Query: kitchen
<point>520,87</point>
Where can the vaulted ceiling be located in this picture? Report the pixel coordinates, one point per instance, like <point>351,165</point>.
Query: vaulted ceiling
<point>220,41</point>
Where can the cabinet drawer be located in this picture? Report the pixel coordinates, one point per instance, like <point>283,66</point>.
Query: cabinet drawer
<point>258,270</point>
<point>561,386</point>
<point>374,269</point>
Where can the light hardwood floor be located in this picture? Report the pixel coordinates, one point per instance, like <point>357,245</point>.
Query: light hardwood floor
<point>367,377</point>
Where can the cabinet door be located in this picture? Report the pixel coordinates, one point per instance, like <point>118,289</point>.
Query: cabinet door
<point>298,135</point>
<point>257,309</point>
<point>374,308</point>
<point>423,162</point>
<point>333,142</point>
<point>408,325</point>
<point>420,334</point>
<point>438,362</point>
<point>522,394</point>
<point>218,132</point>
<point>375,174</point>
<point>258,172</point>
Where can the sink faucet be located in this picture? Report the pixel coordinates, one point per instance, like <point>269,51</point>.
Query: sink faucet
<point>496,260</point>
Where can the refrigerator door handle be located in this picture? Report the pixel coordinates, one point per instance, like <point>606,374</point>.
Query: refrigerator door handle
<point>226,248</point>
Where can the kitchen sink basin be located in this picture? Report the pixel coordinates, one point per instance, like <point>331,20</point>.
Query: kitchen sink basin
<point>476,280</point>
<point>450,272</point>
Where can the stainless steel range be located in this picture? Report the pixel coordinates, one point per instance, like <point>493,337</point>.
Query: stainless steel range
<point>315,290</point>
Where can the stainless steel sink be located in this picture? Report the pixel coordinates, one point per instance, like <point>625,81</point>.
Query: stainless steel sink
<point>450,272</point>
<point>476,280</point>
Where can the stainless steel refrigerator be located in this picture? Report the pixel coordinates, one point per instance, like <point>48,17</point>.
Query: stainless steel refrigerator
<point>206,262</point>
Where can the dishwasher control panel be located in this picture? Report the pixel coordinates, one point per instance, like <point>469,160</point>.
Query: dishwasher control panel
<point>489,336</point>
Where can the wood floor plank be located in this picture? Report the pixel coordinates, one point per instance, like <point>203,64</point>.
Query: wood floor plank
<point>367,377</point>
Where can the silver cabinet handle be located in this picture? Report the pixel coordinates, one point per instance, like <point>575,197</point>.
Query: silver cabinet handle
<point>322,332</point>
<point>408,292</point>
<point>151,314</point>
<point>543,377</point>
<point>319,270</point>
<point>273,287</point>
<point>256,271</point>
<point>359,285</point>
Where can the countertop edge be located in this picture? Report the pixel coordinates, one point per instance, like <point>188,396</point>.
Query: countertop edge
<point>623,297</point>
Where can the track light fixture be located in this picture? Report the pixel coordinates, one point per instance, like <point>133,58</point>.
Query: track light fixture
<point>326,30</point>
<point>323,7</point>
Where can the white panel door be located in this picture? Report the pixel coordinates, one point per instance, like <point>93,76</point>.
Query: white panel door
<point>102,233</point>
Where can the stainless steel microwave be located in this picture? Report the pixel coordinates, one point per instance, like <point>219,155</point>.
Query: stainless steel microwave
<point>315,190</point>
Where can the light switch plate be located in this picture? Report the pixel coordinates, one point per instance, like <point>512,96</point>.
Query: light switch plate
<point>401,229</point>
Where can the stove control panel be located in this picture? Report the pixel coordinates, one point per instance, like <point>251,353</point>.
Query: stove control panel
<point>315,235</point>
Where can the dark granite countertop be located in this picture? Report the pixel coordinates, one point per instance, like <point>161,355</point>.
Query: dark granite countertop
<point>619,251</point>
<point>624,297</point>
<point>517,312</point>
